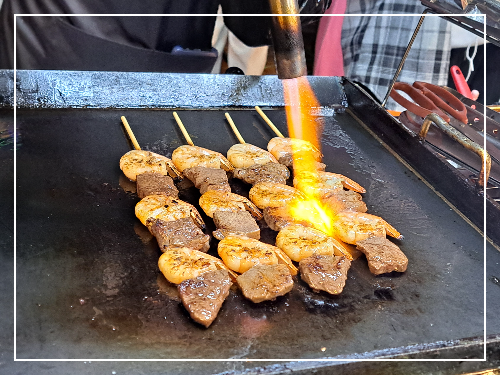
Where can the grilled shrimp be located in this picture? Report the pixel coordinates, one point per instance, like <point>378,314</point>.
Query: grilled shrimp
<point>139,161</point>
<point>193,156</point>
<point>352,227</point>
<point>269,194</point>
<point>299,242</point>
<point>283,149</point>
<point>167,209</point>
<point>245,155</point>
<point>182,263</point>
<point>215,200</point>
<point>318,184</point>
<point>242,253</point>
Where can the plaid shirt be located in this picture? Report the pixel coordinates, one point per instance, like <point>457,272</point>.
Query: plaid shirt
<point>373,46</point>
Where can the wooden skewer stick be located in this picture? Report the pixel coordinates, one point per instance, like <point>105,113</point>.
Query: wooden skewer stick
<point>130,133</point>
<point>235,130</point>
<point>183,129</point>
<point>269,122</point>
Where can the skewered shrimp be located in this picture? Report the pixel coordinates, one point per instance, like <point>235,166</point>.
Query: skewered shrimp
<point>352,227</point>
<point>299,242</point>
<point>193,156</point>
<point>139,161</point>
<point>242,253</point>
<point>318,184</point>
<point>269,194</point>
<point>245,155</point>
<point>182,263</point>
<point>283,149</point>
<point>167,209</point>
<point>216,200</point>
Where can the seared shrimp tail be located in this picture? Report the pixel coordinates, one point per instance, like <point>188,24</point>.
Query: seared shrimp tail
<point>352,185</point>
<point>233,275</point>
<point>339,249</point>
<point>198,220</point>
<point>391,231</point>
<point>226,164</point>
<point>174,172</point>
<point>285,259</point>
<point>253,209</point>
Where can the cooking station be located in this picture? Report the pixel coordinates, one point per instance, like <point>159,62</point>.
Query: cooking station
<point>88,285</point>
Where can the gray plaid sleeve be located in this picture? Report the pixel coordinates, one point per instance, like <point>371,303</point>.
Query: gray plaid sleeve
<point>374,45</point>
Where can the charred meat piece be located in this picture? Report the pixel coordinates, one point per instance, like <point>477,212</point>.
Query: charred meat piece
<point>265,282</point>
<point>287,160</point>
<point>206,179</point>
<point>269,172</point>
<point>203,296</point>
<point>222,187</point>
<point>235,223</point>
<point>153,183</point>
<point>180,233</point>
<point>344,200</point>
<point>279,217</point>
<point>383,256</point>
<point>325,272</point>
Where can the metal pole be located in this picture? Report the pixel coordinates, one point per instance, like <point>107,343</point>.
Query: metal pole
<point>401,64</point>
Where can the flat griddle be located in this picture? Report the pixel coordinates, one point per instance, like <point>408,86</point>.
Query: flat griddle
<point>88,286</point>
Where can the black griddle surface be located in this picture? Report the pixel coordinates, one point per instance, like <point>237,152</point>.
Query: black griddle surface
<point>88,285</point>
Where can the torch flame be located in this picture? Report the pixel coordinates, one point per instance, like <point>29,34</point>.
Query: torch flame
<point>300,102</point>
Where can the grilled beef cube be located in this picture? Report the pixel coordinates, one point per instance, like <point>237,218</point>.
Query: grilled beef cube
<point>180,233</point>
<point>265,282</point>
<point>287,160</point>
<point>269,172</point>
<point>203,176</point>
<point>325,272</point>
<point>203,296</point>
<point>383,256</point>
<point>236,223</point>
<point>221,187</point>
<point>153,183</point>
<point>279,217</point>
<point>344,200</point>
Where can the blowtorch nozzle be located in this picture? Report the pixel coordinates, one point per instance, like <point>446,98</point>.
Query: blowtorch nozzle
<point>290,58</point>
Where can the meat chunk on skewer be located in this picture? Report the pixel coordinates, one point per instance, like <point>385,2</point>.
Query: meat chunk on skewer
<point>383,256</point>
<point>204,295</point>
<point>285,149</point>
<point>279,217</point>
<point>206,179</point>
<point>325,272</point>
<point>179,233</point>
<point>265,282</point>
<point>235,223</point>
<point>152,183</point>
<point>344,200</point>
<point>269,172</point>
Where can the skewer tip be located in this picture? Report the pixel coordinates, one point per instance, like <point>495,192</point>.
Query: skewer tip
<point>268,122</point>
<point>130,133</point>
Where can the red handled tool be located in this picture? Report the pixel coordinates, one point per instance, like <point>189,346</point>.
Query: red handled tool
<point>460,82</point>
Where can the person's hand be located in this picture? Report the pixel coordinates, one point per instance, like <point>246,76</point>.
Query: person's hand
<point>475,94</point>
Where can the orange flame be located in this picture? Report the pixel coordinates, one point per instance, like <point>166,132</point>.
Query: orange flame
<point>300,102</point>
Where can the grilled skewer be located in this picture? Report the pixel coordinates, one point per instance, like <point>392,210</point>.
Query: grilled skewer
<point>244,155</point>
<point>139,161</point>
